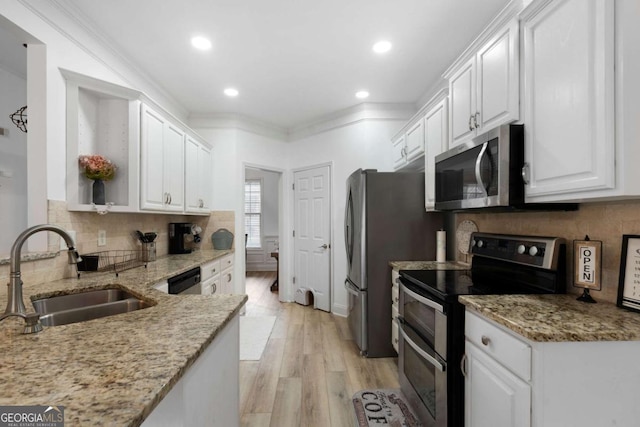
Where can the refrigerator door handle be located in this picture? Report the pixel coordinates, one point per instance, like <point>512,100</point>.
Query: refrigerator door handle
<point>350,288</point>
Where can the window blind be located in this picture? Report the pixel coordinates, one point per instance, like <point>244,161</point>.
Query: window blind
<point>253,212</point>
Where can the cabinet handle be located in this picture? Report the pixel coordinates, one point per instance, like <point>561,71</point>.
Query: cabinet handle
<point>485,340</point>
<point>396,299</point>
<point>463,365</point>
<point>170,198</point>
<point>475,119</point>
<point>525,173</point>
<point>229,277</point>
<point>470,120</point>
<point>215,288</point>
<point>166,198</point>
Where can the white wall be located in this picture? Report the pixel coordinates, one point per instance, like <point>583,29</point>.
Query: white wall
<point>365,145</point>
<point>233,151</point>
<point>13,160</point>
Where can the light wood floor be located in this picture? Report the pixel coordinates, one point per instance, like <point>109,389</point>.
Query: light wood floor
<point>310,368</point>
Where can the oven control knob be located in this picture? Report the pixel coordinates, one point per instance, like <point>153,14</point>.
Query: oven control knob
<point>521,249</point>
<point>480,243</point>
<point>533,251</point>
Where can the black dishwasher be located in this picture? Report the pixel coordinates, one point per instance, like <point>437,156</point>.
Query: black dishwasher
<point>185,283</point>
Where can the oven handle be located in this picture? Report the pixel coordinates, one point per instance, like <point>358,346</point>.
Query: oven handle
<point>421,299</point>
<point>478,164</point>
<point>429,358</point>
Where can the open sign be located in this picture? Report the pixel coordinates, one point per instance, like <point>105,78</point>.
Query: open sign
<point>588,263</point>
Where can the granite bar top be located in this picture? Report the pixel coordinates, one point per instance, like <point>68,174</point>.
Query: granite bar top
<point>557,318</point>
<point>428,265</point>
<point>113,370</point>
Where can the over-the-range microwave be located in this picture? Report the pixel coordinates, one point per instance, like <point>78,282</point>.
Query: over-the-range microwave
<point>486,172</point>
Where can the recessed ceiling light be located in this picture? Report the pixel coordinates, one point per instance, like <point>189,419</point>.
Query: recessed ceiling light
<point>231,92</point>
<point>362,94</point>
<point>201,43</point>
<point>382,46</point>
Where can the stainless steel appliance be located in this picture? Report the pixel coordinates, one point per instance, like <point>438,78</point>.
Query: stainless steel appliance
<point>484,172</point>
<point>431,343</point>
<point>181,239</point>
<point>385,220</point>
<point>186,283</point>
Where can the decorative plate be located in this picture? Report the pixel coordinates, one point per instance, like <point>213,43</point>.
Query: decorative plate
<point>463,235</point>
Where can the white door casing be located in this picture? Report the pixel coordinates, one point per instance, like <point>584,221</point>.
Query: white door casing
<point>312,233</point>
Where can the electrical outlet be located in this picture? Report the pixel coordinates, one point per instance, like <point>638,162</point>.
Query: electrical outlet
<point>63,244</point>
<point>102,237</point>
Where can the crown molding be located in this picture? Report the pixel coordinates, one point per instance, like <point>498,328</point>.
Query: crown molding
<point>338,119</point>
<point>236,121</point>
<point>352,115</point>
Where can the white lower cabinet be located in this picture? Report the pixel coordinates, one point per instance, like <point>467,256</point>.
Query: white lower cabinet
<point>208,394</point>
<point>210,277</point>
<point>495,396</point>
<point>511,381</point>
<point>227,281</point>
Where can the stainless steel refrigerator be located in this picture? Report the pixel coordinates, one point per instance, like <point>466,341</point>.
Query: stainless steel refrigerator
<point>385,220</point>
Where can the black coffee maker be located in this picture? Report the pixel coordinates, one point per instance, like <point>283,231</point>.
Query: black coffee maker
<point>180,237</point>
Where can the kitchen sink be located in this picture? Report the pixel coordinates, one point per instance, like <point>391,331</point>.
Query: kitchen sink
<point>73,308</point>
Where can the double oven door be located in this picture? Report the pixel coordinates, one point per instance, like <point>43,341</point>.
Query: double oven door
<point>422,360</point>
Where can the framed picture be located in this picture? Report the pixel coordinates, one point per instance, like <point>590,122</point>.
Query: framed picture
<point>629,284</point>
<point>587,269</point>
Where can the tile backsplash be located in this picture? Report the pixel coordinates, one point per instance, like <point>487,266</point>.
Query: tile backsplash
<point>119,229</point>
<point>600,221</point>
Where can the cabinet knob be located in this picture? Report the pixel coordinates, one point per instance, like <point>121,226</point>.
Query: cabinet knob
<point>485,340</point>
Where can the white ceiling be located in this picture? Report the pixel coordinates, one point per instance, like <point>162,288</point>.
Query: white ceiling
<point>292,61</point>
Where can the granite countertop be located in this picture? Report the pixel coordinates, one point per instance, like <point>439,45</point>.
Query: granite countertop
<point>557,318</point>
<point>113,370</point>
<point>428,265</point>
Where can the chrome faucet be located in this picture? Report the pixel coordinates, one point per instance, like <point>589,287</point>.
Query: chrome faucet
<point>15,304</point>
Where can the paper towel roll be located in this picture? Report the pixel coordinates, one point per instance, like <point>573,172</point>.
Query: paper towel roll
<point>441,246</point>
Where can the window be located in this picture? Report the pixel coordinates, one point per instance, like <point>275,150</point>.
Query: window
<point>253,212</point>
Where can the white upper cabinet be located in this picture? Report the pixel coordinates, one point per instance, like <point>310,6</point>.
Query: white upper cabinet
<point>398,152</point>
<point>408,144</point>
<point>162,163</point>
<point>463,103</point>
<point>484,87</point>
<point>198,176</point>
<point>414,141</point>
<point>436,142</point>
<point>569,99</point>
<point>154,170</point>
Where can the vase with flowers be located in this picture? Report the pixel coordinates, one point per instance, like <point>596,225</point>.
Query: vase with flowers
<point>99,169</point>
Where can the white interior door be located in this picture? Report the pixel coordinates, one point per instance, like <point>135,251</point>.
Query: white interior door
<point>312,233</point>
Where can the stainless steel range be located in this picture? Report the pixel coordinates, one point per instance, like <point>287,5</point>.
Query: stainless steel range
<point>432,319</point>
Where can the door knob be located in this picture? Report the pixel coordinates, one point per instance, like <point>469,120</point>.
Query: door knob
<point>325,246</point>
